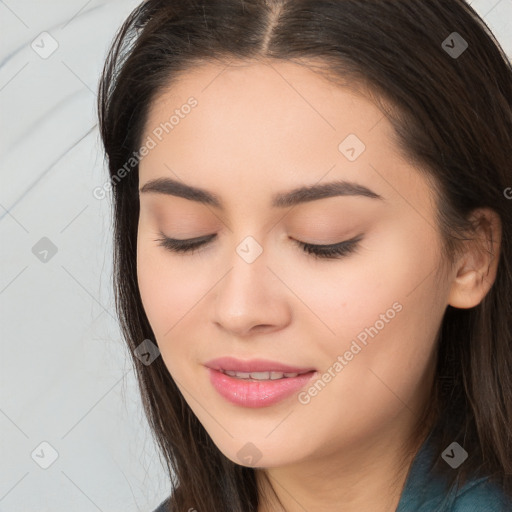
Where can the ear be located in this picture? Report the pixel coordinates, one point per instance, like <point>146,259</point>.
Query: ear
<point>475,269</point>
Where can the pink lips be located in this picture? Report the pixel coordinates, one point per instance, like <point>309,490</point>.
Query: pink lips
<point>256,393</point>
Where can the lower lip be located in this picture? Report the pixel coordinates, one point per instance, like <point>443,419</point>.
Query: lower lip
<point>257,393</point>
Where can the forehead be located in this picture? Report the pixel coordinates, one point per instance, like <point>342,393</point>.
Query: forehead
<point>256,124</point>
<point>268,94</point>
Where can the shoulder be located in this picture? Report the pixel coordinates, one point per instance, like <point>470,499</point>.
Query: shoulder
<point>427,490</point>
<point>481,496</point>
<point>164,506</point>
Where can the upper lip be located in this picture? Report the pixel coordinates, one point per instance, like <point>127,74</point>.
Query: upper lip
<point>254,365</point>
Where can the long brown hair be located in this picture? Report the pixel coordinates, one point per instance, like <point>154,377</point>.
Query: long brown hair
<point>452,113</point>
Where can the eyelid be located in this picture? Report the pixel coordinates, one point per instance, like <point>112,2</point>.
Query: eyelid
<point>206,238</point>
<point>334,244</point>
<point>190,240</point>
<point>324,252</point>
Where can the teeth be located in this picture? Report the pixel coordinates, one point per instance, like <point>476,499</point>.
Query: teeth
<point>259,375</point>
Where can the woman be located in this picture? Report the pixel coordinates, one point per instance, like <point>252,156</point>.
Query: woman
<point>313,226</point>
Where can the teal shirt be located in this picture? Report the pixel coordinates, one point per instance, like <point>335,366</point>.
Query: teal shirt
<point>426,492</point>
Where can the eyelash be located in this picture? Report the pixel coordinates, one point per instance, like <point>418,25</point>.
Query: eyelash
<point>327,252</point>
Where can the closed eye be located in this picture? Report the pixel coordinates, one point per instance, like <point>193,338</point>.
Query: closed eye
<point>332,251</point>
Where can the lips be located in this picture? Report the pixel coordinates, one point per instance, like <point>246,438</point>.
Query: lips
<point>257,382</point>
<point>252,393</point>
<point>254,366</point>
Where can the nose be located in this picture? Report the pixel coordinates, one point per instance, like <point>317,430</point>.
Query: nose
<point>250,298</point>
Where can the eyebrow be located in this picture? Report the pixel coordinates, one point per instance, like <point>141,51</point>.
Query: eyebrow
<point>169,186</point>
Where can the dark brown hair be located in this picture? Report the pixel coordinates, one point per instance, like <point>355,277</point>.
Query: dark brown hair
<point>452,115</point>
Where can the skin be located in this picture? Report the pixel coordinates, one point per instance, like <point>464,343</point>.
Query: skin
<point>262,128</point>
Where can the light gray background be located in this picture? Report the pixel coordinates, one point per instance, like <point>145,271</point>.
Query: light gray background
<point>64,372</point>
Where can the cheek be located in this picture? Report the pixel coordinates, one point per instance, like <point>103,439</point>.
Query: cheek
<point>171,294</point>
<point>165,292</point>
<point>386,359</point>
<point>349,295</point>
<point>386,318</point>
<point>401,270</point>
<point>162,288</point>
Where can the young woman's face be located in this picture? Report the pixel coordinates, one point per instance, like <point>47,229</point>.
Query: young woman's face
<point>365,322</point>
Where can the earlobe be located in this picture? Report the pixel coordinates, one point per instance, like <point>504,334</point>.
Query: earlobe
<point>476,268</point>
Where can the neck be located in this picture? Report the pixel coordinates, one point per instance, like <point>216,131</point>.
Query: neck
<point>366,477</point>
